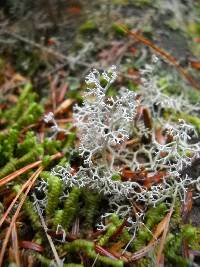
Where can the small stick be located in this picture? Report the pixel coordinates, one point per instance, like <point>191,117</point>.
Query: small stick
<point>162,53</point>
<point>23,187</point>
<point>58,261</point>
<point>163,238</point>
<point>15,245</point>
<point>8,233</point>
<point>15,174</point>
<point>14,201</point>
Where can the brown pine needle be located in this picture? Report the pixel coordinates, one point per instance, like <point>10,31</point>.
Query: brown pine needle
<point>15,245</point>
<point>8,233</point>
<point>15,174</point>
<point>162,53</point>
<point>159,229</point>
<point>14,201</point>
<point>163,238</point>
<point>57,259</point>
<point>142,252</point>
<point>64,105</point>
<point>29,185</point>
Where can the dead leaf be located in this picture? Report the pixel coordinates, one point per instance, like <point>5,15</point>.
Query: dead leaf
<point>195,64</point>
<point>31,245</point>
<point>64,106</point>
<point>15,245</point>
<point>142,252</point>
<point>187,205</point>
<point>160,138</point>
<point>117,246</point>
<point>159,229</point>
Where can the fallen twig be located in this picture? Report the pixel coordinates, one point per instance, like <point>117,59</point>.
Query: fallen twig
<point>163,238</point>
<point>58,261</point>
<point>8,233</point>
<point>162,53</point>
<point>142,252</point>
<point>17,173</point>
<point>15,245</point>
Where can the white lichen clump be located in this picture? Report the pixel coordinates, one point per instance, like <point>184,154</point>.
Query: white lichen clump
<point>115,136</point>
<point>103,123</point>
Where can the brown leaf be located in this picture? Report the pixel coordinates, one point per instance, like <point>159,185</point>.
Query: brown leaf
<point>154,179</point>
<point>142,252</point>
<point>159,229</point>
<point>129,175</point>
<point>147,118</point>
<point>162,53</point>
<point>64,106</point>
<point>195,64</point>
<point>105,252</point>
<point>187,206</point>
<point>74,10</point>
<point>113,53</point>
<point>31,245</point>
<point>134,141</point>
<point>160,138</point>
<point>117,246</point>
<point>15,245</point>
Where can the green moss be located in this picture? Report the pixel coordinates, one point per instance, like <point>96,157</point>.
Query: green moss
<point>89,248</point>
<point>8,168</point>
<point>194,120</point>
<point>190,234</point>
<point>152,218</point>
<point>15,163</point>
<point>26,110</point>
<point>173,24</point>
<point>8,143</point>
<point>51,146</point>
<point>14,152</point>
<point>30,142</point>
<point>124,236</point>
<point>116,177</point>
<point>55,189</point>
<point>29,157</point>
<point>88,26</point>
<point>29,210</point>
<point>90,208</point>
<point>71,207</point>
<point>141,3</point>
<point>172,251</point>
<point>111,229</point>
<point>155,215</point>
<point>105,260</point>
<point>57,219</point>
<point>48,262</point>
<point>118,30</point>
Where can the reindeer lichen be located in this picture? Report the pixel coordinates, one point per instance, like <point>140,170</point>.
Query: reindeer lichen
<point>106,124</point>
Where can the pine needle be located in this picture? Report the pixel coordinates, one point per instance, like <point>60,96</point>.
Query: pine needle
<point>14,201</point>
<point>162,53</point>
<point>15,245</point>
<point>58,261</point>
<point>15,174</point>
<point>8,233</point>
<point>163,238</point>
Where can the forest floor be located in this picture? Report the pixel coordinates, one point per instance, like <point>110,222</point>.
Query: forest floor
<point>46,50</point>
